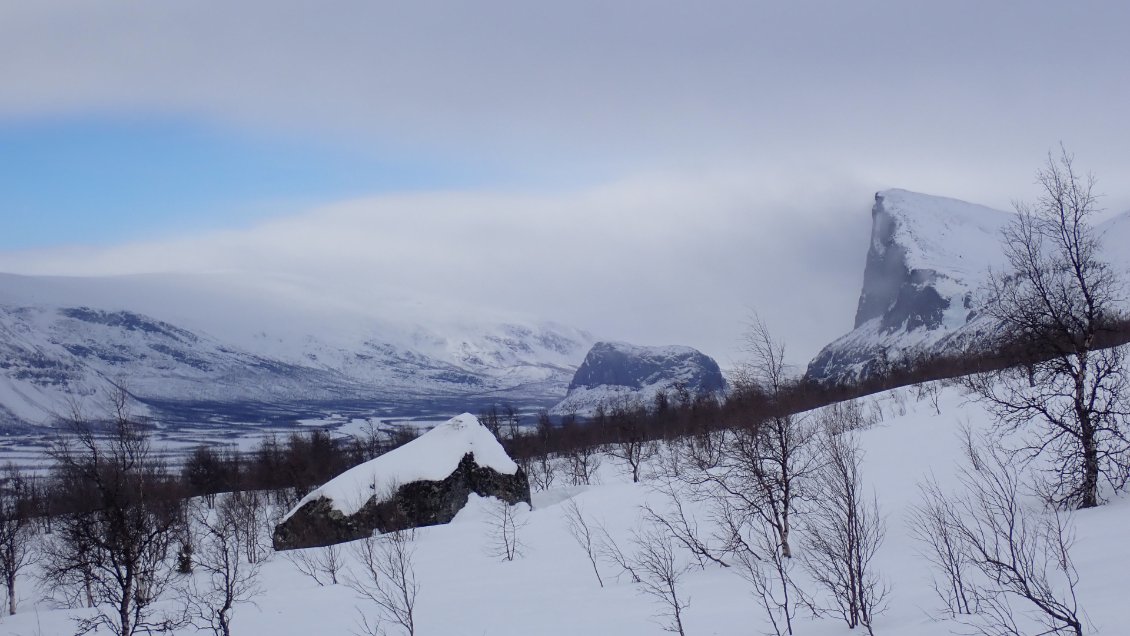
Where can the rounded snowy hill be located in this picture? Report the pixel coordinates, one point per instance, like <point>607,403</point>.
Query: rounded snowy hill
<point>615,371</point>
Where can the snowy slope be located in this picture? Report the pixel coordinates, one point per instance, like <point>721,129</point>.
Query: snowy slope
<point>551,590</point>
<point>227,339</point>
<point>927,262</point>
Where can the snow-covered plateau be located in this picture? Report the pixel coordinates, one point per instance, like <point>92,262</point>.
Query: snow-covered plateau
<point>551,590</point>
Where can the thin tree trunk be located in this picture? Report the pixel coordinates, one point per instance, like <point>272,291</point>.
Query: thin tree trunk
<point>11,582</point>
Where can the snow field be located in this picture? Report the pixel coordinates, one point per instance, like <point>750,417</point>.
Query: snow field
<point>550,590</point>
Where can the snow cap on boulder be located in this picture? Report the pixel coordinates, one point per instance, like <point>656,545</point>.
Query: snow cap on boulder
<point>425,482</point>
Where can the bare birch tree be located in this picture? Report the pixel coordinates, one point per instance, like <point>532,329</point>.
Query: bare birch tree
<point>386,578</point>
<point>228,579</point>
<point>505,527</point>
<point>583,534</point>
<point>934,523</point>
<point>1023,555</point>
<point>844,532</point>
<point>660,570</point>
<point>127,515</point>
<point>1058,299</point>
<point>17,530</point>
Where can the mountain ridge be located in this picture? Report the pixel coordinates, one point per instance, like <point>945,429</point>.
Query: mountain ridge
<point>174,340</point>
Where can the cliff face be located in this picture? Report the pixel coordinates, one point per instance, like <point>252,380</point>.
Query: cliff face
<point>894,292</point>
<point>927,259</point>
<point>926,266</point>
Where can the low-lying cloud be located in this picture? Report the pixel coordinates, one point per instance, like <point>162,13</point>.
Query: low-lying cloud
<point>659,261</point>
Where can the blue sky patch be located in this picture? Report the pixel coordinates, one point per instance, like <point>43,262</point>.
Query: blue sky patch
<point>105,180</point>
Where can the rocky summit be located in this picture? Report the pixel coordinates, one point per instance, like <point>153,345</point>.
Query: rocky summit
<point>616,370</point>
<point>927,264</point>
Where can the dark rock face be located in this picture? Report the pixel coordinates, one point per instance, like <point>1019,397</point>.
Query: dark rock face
<point>415,504</point>
<point>926,258</point>
<point>616,364</point>
<point>902,297</point>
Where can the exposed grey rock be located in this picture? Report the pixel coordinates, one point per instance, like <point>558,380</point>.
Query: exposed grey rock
<point>635,367</point>
<point>422,483</point>
<point>900,295</point>
<point>416,504</point>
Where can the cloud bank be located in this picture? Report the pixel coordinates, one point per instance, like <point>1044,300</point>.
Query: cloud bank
<point>762,128</point>
<point>960,97</point>
<point>653,261</point>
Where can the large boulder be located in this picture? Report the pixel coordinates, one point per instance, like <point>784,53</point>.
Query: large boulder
<point>615,371</point>
<point>425,482</point>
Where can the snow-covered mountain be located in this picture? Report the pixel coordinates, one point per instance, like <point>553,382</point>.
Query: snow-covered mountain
<point>928,259</point>
<point>227,347</point>
<point>616,371</point>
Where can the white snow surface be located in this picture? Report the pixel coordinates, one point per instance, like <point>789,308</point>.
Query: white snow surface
<point>584,401</point>
<point>431,457</point>
<point>550,590</point>
<point>946,235</point>
<point>652,351</point>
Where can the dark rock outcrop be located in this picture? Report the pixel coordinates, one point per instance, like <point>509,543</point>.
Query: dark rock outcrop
<point>416,504</point>
<point>319,520</point>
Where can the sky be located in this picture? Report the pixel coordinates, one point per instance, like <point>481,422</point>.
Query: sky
<point>651,172</point>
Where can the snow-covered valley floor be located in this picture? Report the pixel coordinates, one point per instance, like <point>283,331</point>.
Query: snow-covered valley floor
<point>551,589</point>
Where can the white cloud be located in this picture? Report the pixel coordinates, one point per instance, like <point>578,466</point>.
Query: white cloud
<point>970,91</point>
<point>659,260</point>
<point>819,103</point>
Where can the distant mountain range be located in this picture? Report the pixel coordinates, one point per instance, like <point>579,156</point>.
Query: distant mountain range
<point>230,349</point>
